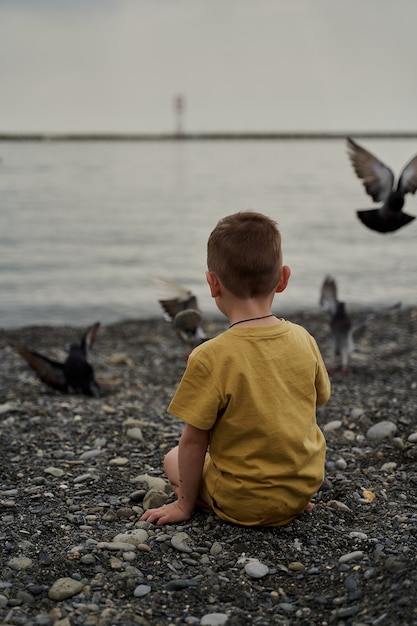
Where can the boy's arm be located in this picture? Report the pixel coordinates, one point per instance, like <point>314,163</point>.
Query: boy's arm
<point>192,448</point>
<point>322,384</point>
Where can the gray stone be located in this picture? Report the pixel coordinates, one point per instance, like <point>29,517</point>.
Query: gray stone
<point>381,430</point>
<point>64,588</point>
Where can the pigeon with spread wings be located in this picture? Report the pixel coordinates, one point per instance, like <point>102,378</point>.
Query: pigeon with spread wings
<point>378,180</point>
<point>340,325</point>
<point>182,310</point>
<point>74,374</point>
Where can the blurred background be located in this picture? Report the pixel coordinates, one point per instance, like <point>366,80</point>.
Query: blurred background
<point>84,224</point>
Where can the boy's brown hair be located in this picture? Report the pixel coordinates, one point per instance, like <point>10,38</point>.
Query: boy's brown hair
<point>244,250</point>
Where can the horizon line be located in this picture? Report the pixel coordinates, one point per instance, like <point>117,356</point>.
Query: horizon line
<point>184,136</point>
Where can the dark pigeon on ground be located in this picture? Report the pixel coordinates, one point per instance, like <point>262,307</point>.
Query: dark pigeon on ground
<point>378,180</point>
<point>74,375</point>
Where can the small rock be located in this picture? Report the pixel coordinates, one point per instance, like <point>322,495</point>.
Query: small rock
<point>296,566</point>
<point>388,467</point>
<point>181,542</point>
<point>109,516</point>
<point>381,430</point>
<point>119,460</point>
<point>20,562</point>
<point>336,504</point>
<point>358,535</point>
<point>54,471</point>
<point>256,569</point>
<point>141,590</point>
<point>333,425</point>
<point>341,464</point>
<point>153,482</point>
<point>115,546</point>
<point>394,565</point>
<point>154,499</point>
<point>351,556</point>
<point>214,619</point>
<point>90,454</point>
<point>135,536</point>
<point>216,549</point>
<point>64,588</point>
<point>181,583</point>
<point>135,433</point>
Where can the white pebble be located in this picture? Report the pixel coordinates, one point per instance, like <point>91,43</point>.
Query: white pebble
<point>54,471</point>
<point>82,478</point>
<point>388,467</point>
<point>135,536</point>
<point>341,464</point>
<point>351,556</point>
<point>381,430</point>
<point>119,460</point>
<point>333,425</point>
<point>213,619</point>
<point>135,433</point>
<point>256,569</point>
<point>349,435</point>
<point>358,535</point>
<point>153,482</point>
<point>90,454</point>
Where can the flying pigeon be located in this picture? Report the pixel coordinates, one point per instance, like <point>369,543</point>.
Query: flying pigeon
<point>340,325</point>
<point>182,310</point>
<point>378,180</point>
<point>74,374</point>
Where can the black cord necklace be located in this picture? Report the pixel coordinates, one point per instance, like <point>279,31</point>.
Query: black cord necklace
<point>251,319</point>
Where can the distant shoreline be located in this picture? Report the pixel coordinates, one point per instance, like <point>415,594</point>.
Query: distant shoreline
<point>219,136</point>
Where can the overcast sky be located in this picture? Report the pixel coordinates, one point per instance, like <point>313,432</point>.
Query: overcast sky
<point>241,65</point>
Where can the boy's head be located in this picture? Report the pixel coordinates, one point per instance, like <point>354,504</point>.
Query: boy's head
<point>244,250</point>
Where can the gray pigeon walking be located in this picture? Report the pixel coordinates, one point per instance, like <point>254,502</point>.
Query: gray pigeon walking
<point>340,325</point>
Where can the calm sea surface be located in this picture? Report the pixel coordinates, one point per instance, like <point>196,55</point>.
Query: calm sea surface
<point>84,226</point>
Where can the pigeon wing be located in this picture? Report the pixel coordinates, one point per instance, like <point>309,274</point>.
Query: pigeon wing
<point>377,178</point>
<point>408,179</point>
<point>183,298</point>
<point>174,306</point>
<point>328,295</point>
<point>89,337</point>
<point>49,372</point>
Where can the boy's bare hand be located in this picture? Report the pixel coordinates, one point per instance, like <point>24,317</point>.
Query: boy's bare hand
<point>166,514</point>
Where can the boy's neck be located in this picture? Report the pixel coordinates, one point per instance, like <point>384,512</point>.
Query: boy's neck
<point>255,319</point>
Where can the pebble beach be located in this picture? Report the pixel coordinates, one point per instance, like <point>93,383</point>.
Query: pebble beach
<point>77,472</point>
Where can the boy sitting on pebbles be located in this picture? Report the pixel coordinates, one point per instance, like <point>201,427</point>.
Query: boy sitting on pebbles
<point>251,449</point>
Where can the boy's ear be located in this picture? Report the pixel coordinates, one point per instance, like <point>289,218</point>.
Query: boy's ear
<point>283,281</point>
<point>213,283</point>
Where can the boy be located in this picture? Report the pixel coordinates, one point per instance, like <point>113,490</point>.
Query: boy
<point>249,395</point>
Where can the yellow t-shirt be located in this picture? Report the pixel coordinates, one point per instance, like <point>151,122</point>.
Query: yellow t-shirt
<point>256,389</point>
